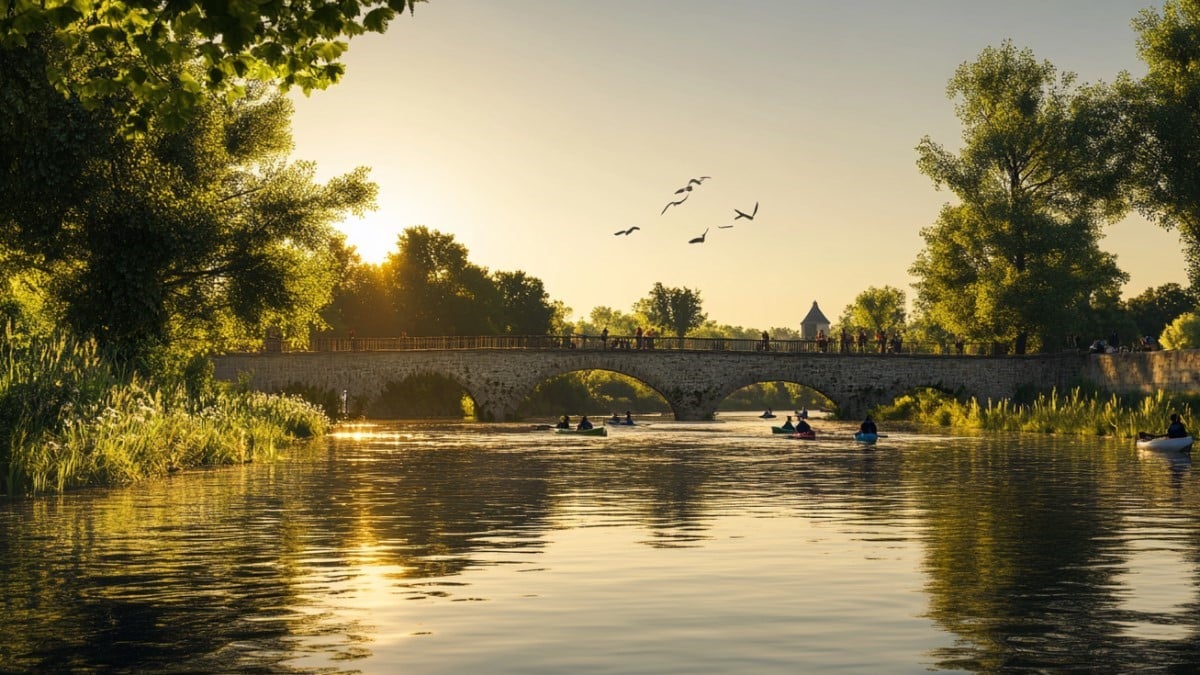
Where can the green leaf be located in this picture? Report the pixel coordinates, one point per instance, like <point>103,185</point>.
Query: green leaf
<point>377,19</point>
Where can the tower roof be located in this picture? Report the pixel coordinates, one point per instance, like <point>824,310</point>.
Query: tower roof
<point>814,315</point>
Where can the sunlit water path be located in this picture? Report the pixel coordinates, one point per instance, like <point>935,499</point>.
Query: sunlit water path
<point>674,547</point>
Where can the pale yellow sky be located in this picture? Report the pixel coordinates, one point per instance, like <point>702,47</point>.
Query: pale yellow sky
<point>532,130</point>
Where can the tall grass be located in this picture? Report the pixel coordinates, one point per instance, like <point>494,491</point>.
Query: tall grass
<point>68,419</point>
<point>1077,412</point>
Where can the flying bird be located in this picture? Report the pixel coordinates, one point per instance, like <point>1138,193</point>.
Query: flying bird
<point>629,231</point>
<point>724,227</point>
<point>670,204</point>
<point>692,183</point>
<point>700,239</point>
<point>747,216</point>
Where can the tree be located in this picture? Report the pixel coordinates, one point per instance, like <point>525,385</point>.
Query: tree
<point>205,234</point>
<point>360,302</point>
<point>525,307</point>
<point>136,47</point>
<point>675,309</point>
<point>1182,333</point>
<point>1165,116</point>
<point>1156,307</point>
<point>876,309</point>
<point>436,290</point>
<point>1017,259</point>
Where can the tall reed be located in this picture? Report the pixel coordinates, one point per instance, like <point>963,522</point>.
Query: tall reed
<point>1077,412</point>
<point>68,418</point>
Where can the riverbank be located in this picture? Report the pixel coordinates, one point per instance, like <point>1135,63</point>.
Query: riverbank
<point>69,418</point>
<point>1077,412</point>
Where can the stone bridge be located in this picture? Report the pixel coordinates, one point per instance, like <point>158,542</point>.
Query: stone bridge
<point>693,382</point>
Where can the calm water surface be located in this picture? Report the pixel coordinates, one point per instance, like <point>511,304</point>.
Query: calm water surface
<point>669,548</point>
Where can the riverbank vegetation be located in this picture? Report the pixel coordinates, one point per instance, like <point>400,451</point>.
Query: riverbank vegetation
<point>1078,412</point>
<point>71,419</point>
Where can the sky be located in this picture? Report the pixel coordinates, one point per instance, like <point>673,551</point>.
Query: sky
<point>532,130</point>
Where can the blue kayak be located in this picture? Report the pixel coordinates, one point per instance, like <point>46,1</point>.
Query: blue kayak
<point>865,438</point>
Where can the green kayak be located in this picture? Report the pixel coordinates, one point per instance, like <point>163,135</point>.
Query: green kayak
<point>594,431</point>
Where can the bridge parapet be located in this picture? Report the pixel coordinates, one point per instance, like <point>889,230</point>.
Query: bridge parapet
<point>633,343</point>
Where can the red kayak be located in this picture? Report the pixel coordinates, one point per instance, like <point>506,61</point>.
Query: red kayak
<point>804,435</point>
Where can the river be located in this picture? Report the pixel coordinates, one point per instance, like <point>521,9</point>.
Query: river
<point>672,547</point>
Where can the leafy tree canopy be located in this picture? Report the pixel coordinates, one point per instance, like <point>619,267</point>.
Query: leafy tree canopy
<point>1154,308</point>
<point>1182,333</point>
<point>139,45</point>
<point>677,310</point>
<point>1165,119</point>
<point>206,233</point>
<point>1017,259</point>
<point>436,290</point>
<point>875,309</point>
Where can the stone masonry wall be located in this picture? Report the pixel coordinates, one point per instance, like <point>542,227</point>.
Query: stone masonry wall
<point>1176,370</point>
<point>694,383</point>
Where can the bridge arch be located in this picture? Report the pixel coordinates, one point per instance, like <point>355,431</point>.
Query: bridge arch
<point>823,402</point>
<point>693,382</point>
<point>623,378</point>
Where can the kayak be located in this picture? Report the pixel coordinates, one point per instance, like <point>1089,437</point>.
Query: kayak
<point>620,423</point>
<point>766,416</point>
<point>804,435</point>
<point>782,430</point>
<point>1164,443</point>
<point>865,437</point>
<point>594,431</point>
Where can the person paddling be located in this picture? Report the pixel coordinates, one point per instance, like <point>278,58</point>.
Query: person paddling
<point>1176,428</point>
<point>868,426</point>
<point>788,424</point>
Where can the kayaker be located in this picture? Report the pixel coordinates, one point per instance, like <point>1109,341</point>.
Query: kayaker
<point>584,424</point>
<point>802,427</point>
<point>564,422</point>
<point>1176,428</point>
<point>616,419</point>
<point>628,418</point>
<point>868,426</point>
<point>788,424</point>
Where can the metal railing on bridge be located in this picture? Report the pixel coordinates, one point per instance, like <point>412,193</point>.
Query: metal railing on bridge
<point>630,343</point>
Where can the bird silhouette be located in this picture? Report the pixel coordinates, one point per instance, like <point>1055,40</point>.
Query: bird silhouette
<point>692,183</point>
<point>700,239</point>
<point>629,231</point>
<point>670,204</point>
<point>747,216</point>
<point>724,227</point>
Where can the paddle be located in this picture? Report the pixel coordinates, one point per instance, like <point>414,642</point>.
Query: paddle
<point>1143,436</point>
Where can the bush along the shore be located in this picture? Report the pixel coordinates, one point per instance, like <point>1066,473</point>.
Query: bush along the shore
<point>1078,412</point>
<point>68,418</point>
